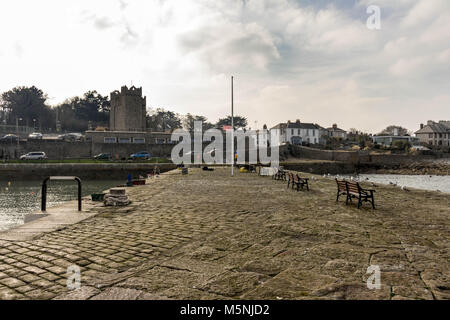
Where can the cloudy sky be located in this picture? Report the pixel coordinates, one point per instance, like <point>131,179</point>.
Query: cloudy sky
<point>313,60</point>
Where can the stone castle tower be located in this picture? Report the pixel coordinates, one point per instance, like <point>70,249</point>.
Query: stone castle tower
<point>128,110</point>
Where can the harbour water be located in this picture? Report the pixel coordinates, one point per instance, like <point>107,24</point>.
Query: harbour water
<point>18,198</point>
<point>425,182</point>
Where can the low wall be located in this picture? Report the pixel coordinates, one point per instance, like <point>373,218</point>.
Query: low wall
<point>317,154</point>
<point>355,157</point>
<point>32,171</point>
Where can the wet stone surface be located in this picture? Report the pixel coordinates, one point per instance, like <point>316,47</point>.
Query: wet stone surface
<point>208,236</point>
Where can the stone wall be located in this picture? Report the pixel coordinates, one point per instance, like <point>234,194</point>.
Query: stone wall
<point>57,150</point>
<point>32,171</point>
<point>356,157</point>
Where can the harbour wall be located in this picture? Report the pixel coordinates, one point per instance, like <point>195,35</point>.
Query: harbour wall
<point>87,171</point>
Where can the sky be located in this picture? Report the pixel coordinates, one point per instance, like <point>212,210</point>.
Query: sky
<point>313,60</point>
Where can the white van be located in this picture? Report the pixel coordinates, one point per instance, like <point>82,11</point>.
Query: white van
<point>34,156</point>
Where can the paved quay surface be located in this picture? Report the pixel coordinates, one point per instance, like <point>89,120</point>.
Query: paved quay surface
<point>209,236</point>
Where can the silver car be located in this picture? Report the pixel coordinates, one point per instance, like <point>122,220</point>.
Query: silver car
<point>34,156</point>
<point>71,137</point>
<point>35,135</point>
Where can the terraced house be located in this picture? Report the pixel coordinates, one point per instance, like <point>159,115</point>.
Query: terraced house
<point>435,133</point>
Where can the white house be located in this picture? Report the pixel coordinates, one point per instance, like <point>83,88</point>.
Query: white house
<point>298,132</point>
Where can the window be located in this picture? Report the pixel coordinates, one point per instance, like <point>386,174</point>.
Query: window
<point>139,140</point>
<point>430,135</point>
<point>124,140</point>
<point>292,131</point>
<point>110,140</point>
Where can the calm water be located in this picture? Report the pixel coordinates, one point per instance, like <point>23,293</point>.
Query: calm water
<point>23,197</point>
<point>441,183</point>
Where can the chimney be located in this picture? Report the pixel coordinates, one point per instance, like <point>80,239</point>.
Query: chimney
<point>334,126</point>
<point>395,131</point>
<point>421,126</point>
<point>297,121</point>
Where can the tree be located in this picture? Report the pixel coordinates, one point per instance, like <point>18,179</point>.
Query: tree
<point>401,145</point>
<point>28,104</point>
<point>189,119</point>
<point>239,122</point>
<point>161,120</point>
<point>92,106</point>
<point>76,113</point>
<point>390,131</point>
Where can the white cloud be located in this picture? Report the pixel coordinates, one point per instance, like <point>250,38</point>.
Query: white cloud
<point>290,61</point>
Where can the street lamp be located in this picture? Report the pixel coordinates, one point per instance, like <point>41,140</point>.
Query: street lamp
<point>17,124</point>
<point>17,129</point>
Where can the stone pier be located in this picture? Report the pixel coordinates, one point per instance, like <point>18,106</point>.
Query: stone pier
<point>206,235</point>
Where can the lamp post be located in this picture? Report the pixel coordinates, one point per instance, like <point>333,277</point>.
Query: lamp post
<point>17,124</point>
<point>17,130</point>
<point>232,127</point>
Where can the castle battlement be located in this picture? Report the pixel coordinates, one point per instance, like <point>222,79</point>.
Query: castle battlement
<point>128,110</point>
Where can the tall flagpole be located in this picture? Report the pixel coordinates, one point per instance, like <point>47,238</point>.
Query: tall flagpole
<point>232,127</point>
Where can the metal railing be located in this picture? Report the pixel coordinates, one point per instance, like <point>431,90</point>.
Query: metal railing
<point>44,190</point>
<point>15,129</point>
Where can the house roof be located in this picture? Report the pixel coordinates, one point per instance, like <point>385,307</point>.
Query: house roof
<point>434,128</point>
<point>296,125</point>
<point>301,125</point>
<point>335,129</point>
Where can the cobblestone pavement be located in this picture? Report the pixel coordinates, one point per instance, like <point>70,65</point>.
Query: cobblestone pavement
<point>209,236</point>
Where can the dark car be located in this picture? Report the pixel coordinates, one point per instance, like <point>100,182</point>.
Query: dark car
<point>142,155</point>
<point>103,156</point>
<point>9,138</point>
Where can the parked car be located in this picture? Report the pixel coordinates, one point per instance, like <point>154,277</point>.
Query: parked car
<point>9,138</point>
<point>103,156</point>
<point>35,135</point>
<point>142,155</point>
<point>34,156</point>
<point>71,137</point>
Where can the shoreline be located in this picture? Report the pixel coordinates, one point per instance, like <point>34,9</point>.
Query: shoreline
<point>415,168</point>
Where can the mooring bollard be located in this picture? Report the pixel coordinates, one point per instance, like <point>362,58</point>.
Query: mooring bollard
<point>44,190</point>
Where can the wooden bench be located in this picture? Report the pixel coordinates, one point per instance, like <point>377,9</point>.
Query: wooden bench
<point>296,180</point>
<point>352,190</point>
<point>280,175</point>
